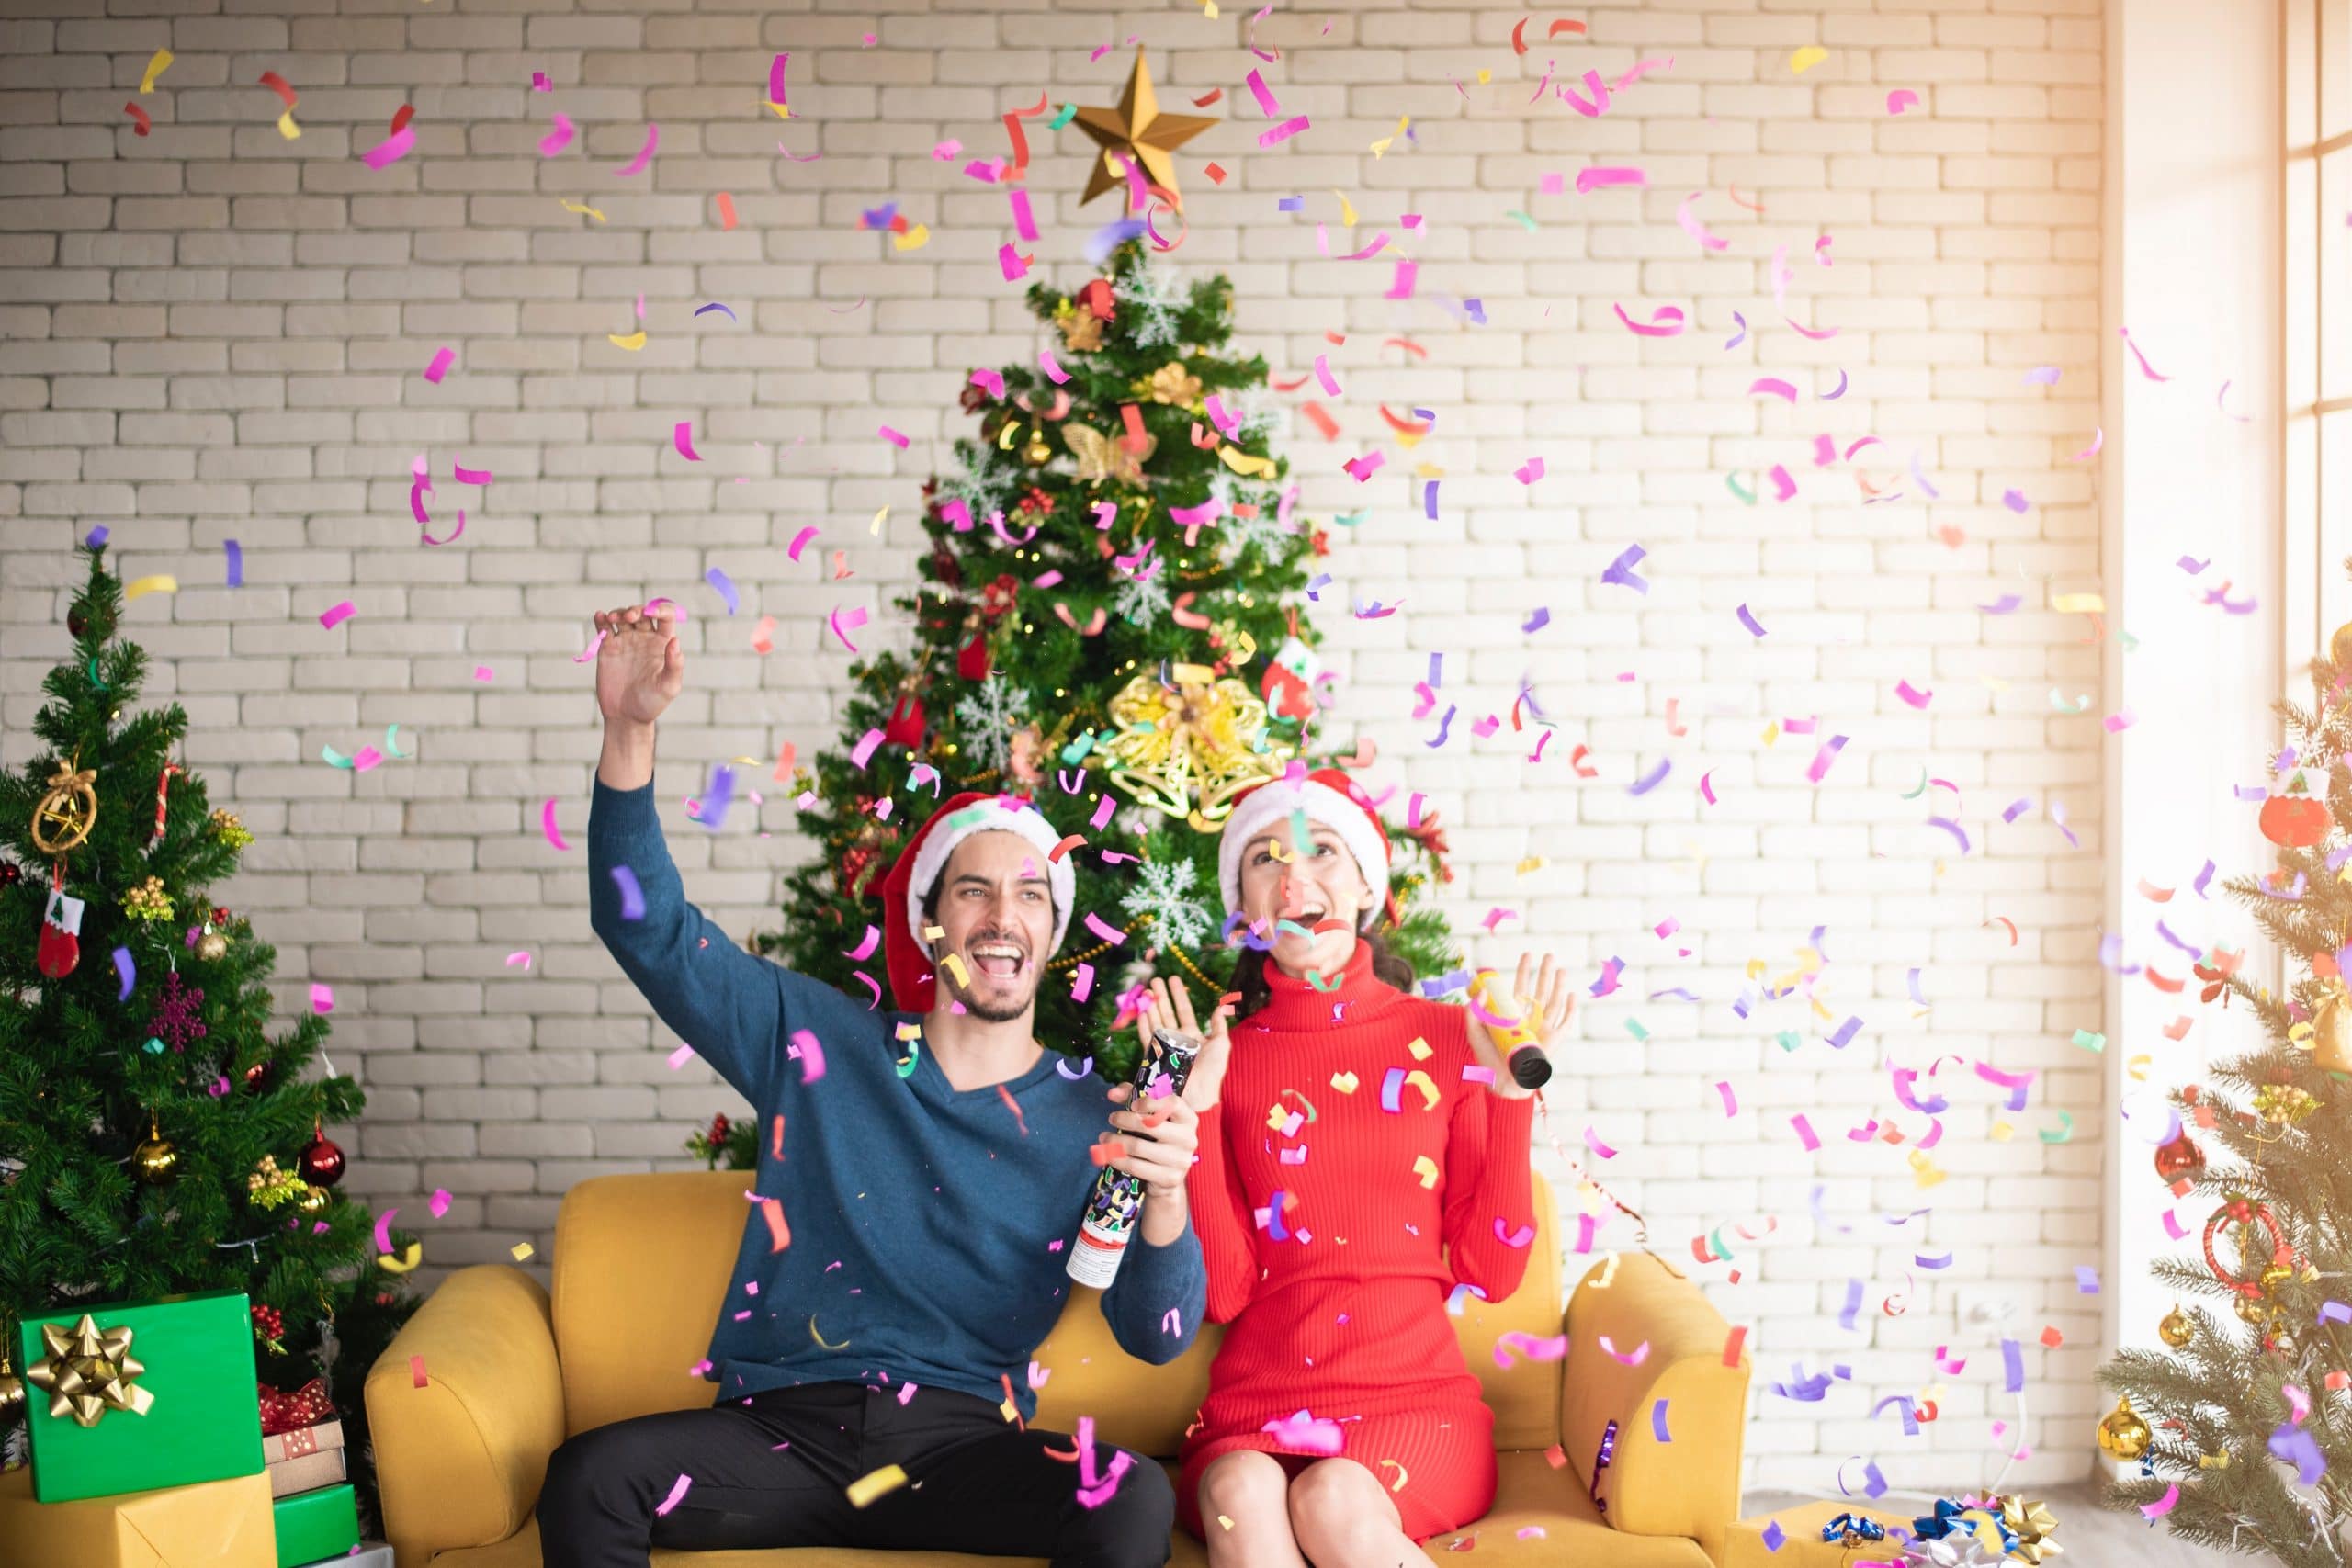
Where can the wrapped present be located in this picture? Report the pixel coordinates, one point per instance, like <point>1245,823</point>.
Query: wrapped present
<point>1817,1535</point>
<point>306,1406</point>
<point>369,1554</point>
<point>138,1395</point>
<point>213,1524</point>
<point>305,1458</point>
<point>313,1526</point>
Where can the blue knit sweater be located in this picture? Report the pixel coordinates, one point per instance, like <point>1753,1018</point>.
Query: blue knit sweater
<point>930,1228</point>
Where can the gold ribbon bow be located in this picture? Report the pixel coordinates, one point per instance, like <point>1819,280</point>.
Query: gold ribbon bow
<point>88,1371</point>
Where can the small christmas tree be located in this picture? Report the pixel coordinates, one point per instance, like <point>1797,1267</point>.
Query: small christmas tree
<point>1110,621</point>
<point>2248,1412</point>
<point>153,1137</point>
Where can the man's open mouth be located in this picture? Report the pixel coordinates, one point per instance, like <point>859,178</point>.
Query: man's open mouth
<point>999,960</point>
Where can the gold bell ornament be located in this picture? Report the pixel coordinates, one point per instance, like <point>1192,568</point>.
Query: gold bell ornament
<point>2332,1034</point>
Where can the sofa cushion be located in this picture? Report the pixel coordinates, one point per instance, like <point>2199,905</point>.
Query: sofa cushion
<point>641,1266</point>
<point>1529,1495</point>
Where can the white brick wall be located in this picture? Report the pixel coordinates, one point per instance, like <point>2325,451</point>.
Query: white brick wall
<point>212,332</point>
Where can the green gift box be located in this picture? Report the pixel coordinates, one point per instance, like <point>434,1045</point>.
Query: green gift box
<point>315,1525</point>
<point>140,1395</point>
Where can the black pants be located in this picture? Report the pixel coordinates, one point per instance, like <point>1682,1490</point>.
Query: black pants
<point>774,1471</point>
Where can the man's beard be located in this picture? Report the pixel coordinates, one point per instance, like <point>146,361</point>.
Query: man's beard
<point>993,1013</point>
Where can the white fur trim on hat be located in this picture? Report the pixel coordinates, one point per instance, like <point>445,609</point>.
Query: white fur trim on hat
<point>992,816</point>
<point>1272,803</point>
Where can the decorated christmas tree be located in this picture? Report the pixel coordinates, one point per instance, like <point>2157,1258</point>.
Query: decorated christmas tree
<point>1112,620</point>
<point>154,1137</point>
<point>2246,1412</point>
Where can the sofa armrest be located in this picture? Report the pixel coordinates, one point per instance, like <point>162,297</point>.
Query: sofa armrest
<point>461,1459</point>
<point>1687,1485</point>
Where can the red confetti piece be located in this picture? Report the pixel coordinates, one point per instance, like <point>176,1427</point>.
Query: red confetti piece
<point>1732,1344</point>
<point>140,123</point>
<point>726,210</point>
<point>280,85</point>
<point>1216,173</point>
<point>416,1370</point>
<point>402,116</point>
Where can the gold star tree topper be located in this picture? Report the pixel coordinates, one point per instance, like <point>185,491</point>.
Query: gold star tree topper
<point>1137,128</point>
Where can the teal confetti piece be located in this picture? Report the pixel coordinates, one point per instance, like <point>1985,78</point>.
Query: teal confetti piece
<point>2063,1133</point>
<point>1525,220</point>
<point>1633,1027</point>
<point>2090,1042</point>
<point>1062,117</point>
<point>1746,496</point>
<point>1788,1039</point>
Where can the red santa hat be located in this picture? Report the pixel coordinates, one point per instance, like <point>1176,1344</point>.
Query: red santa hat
<point>1328,796</point>
<point>906,954</point>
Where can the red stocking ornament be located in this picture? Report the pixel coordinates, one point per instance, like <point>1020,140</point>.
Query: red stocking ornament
<point>61,935</point>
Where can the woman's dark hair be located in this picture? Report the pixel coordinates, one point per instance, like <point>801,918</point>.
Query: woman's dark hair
<point>1249,973</point>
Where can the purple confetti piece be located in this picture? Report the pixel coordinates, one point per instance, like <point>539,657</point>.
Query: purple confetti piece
<point>1652,779</point>
<point>2296,1445</point>
<point>236,553</point>
<point>632,896</point>
<point>128,970</point>
<point>1774,1537</point>
<point>2086,1279</point>
<point>2005,605</point>
<point>2042,376</point>
<point>1741,336</point>
<point>1853,1305</point>
<point>1538,621</point>
<point>1873,1484</point>
<point>1658,1422</point>
<point>1429,500</point>
<point>1845,1034</point>
<point>2014,500</point>
<point>726,588</point>
<point>1391,1086</point>
<point>2013,1366</point>
<point>716,800</point>
<point>1621,571</point>
<point>1748,620</point>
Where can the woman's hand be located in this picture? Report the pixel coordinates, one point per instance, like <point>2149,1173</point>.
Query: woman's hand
<point>1543,1007</point>
<point>639,667</point>
<point>1168,1005</point>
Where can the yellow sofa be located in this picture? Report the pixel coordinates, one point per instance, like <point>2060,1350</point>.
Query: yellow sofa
<point>641,1264</point>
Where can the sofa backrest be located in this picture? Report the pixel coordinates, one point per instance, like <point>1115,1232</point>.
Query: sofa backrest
<point>641,1266</point>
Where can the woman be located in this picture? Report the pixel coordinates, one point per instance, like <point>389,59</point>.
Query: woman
<point>1362,1151</point>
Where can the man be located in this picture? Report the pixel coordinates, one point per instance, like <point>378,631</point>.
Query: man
<point>921,1179</point>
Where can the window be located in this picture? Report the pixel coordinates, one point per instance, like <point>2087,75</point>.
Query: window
<point>2318,102</point>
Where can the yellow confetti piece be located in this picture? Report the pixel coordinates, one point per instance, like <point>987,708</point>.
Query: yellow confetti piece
<point>2001,1132</point>
<point>2079,603</point>
<point>1418,1079</point>
<point>876,527</point>
<point>155,67</point>
<point>581,206</point>
<point>1242,463</point>
<point>1402,1475</point>
<point>820,1339</point>
<point>1772,732</point>
<point>783,111</point>
<point>633,342</point>
<point>1484,75</point>
<point>1276,1118</point>
<point>1347,207</point>
<point>1808,58</point>
<point>520,1251</point>
<point>1008,1410</point>
<point>1380,148</point>
<point>910,1031</point>
<point>287,128</point>
<point>159,583</point>
<point>1344,1082</point>
<point>913,239</point>
<point>1222,1523</point>
<point>1426,1168</point>
<point>955,967</point>
<point>876,1484</point>
<point>1420,1049</point>
<point>1923,1170</point>
<point>1532,862</point>
<point>932,933</point>
<point>2138,1066</point>
<point>410,1255</point>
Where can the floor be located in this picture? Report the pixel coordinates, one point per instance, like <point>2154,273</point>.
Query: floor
<point>2093,1537</point>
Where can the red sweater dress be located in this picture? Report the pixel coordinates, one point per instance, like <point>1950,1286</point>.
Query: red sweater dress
<point>1337,1303</point>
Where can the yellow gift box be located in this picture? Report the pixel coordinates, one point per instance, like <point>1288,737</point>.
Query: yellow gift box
<point>219,1524</point>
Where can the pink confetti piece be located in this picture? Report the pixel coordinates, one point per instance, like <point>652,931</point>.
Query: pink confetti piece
<point>1590,180</point>
<point>1528,1345</point>
<point>548,827</point>
<point>1695,229</point>
<point>677,1495</point>
<point>801,542</point>
<point>1323,369</point>
<point>1772,386</point>
<point>518,958</point>
<point>439,1206</point>
<point>416,1370</point>
<point>384,1230</point>
<point>1052,367</point>
<point>1805,1135</point>
<point>1082,983</point>
<point>2146,369</point>
<point>810,1053</point>
<point>1592,1141</point>
<point>1103,932</point>
<point>1900,99</point>
<point>440,366</point>
<point>893,437</point>
<point>555,141</point>
<point>1401,286</point>
<point>644,154</point>
<point>763,635</point>
<point>322,1003</point>
<point>1524,1236</point>
<point>1632,1358</point>
<point>1530,471</point>
<point>1283,131</point>
<point>1664,322</point>
<point>681,1057</point>
<point>390,150</point>
<point>2164,1505</point>
<point>1731,1102</point>
<point>682,437</point>
<point>840,623</point>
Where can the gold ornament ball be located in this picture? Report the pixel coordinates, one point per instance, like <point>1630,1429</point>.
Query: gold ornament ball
<point>2175,1329</point>
<point>155,1161</point>
<point>2273,1275</point>
<point>11,1390</point>
<point>1036,454</point>
<point>314,1199</point>
<point>2123,1433</point>
<point>2252,1309</point>
<point>2339,647</point>
<point>211,947</point>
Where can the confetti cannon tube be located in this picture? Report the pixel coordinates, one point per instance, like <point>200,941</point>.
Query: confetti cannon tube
<point>1530,1069</point>
<point>1118,1200</point>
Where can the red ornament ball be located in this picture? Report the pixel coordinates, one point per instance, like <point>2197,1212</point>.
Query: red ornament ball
<point>2178,1159</point>
<point>320,1162</point>
<point>10,874</point>
<point>268,1323</point>
<point>255,1075</point>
